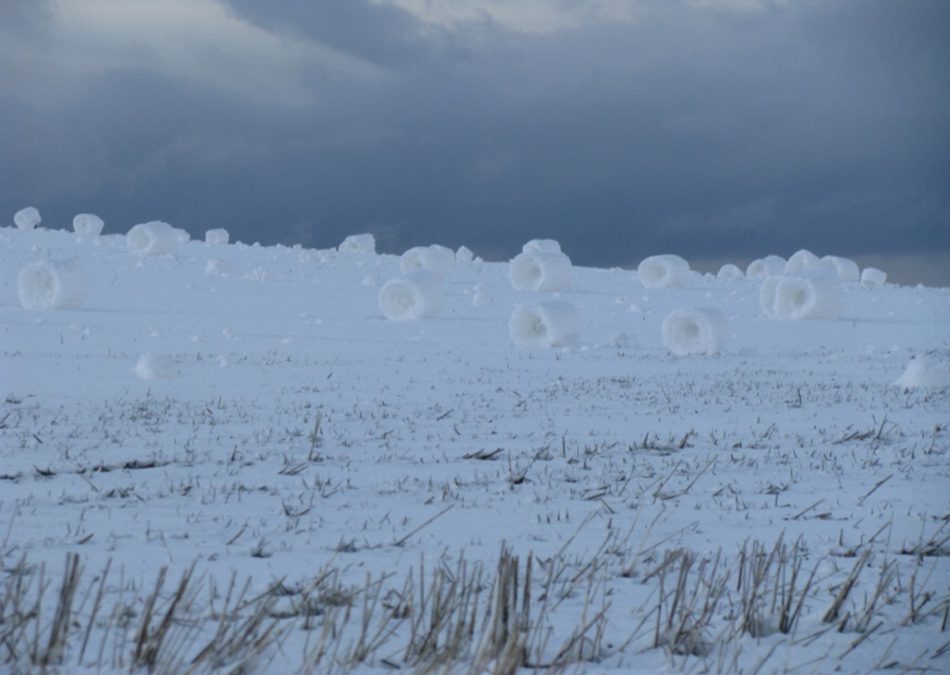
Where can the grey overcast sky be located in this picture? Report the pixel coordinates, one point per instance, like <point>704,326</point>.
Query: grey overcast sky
<point>720,130</point>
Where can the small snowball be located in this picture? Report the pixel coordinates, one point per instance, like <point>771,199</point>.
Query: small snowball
<point>27,219</point>
<point>88,223</point>
<point>438,260</point>
<point>464,254</point>
<point>217,236</point>
<point>622,341</point>
<point>358,244</point>
<point>151,367</point>
<point>217,268</point>
<point>730,272</point>
<point>873,277</point>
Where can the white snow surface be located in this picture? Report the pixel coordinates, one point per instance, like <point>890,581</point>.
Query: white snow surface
<point>304,433</point>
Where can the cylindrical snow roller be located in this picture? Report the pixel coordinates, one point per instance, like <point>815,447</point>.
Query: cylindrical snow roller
<point>88,223</point>
<point>804,298</point>
<point>546,324</point>
<point>416,295</point>
<point>730,272</point>
<point>27,219</point>
<point>769,266</point>
<point>360,244</point>
<point>872,277</point>
<point>542,245</point>
<point>541,271</point>
<point>153,238</point>
<point>663,271</point>
<point>846,269</point>
<point>217,236</point>
<point>701,330</point>
<point>51,284</point>
<point>806,261</point>
<point>436,259</point>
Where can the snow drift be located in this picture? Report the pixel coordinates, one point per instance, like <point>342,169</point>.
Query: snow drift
<point>814,298</point>
<point>546,324</point>
<point>51,284</point>
<point>541,270</point>
<point>416,295</point>
<point>153,238</point>
<point>88,223</point>
<point>663,271</point>
<point>358,244</point>
<point>701,330</point>
<point>27,219</point>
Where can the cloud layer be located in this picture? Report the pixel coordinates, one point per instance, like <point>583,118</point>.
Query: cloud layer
<point>623,129</point>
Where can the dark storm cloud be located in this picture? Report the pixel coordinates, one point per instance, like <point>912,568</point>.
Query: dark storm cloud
<point>705,133</point>
<point>383,34</point>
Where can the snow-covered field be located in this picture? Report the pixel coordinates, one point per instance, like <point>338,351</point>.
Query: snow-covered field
<point>229,460</point>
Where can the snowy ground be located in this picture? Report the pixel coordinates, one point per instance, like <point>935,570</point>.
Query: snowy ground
<point>643,488</point>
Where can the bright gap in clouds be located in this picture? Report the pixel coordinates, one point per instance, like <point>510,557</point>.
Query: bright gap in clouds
<point>546,16</point>
<point>198,40</point>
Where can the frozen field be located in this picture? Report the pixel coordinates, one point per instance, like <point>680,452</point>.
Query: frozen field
<point>229,460</point>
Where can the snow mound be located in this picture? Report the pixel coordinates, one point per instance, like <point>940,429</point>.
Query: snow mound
<point>769,266</point>
<point>217,236</point>
<point>436,259</point>
<point>151,367</point>
<point>872,277</point>
<point>700,330</point>
<point>813,298</point>
<point>27,219</point>
<point>51,284</point>
<point>153,238</point>
<point>922,374</point>
<point>88,223</point>
<point>730,272</point>
<point>663,271</point>
<point>417,295</point>
<point>358,244</point>
<point>540,270</point>
<point>546,324</point>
